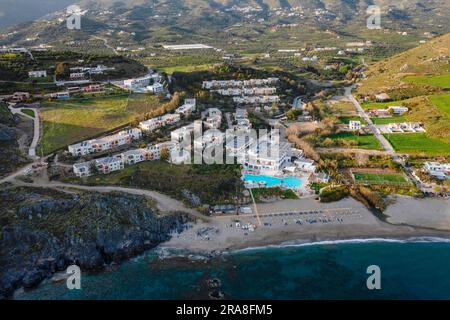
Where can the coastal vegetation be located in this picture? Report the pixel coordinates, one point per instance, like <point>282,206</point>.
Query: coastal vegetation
<point>195,184</point>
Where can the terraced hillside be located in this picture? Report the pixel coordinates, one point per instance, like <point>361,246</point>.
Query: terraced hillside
<point>419,79</point>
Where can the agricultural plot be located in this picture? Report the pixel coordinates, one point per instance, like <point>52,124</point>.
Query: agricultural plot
<point>365,141</point>
<point>441,81</point>
<point>442,102</point>
<point>380,178</point>
<point>67,122</point>
<point>417,143</point>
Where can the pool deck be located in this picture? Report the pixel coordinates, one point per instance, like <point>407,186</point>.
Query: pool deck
<point>302,192</point>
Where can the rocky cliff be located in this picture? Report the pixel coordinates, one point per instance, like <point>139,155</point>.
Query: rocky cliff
<point>10,156</point>
<point>43,231</point>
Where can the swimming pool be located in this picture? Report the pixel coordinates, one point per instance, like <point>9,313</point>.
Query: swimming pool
<point>269,181</point>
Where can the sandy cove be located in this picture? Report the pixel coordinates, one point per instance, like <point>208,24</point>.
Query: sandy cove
<point>308,220</point>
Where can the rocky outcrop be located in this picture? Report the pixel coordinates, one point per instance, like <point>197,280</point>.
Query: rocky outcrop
<point>10,156</point>
<point>43,233</point>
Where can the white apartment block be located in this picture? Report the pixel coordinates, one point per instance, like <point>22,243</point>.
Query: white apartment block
<point>103,166</point>
<point>105,143</point>
<point>256,99</point>
<point>159,122</point>
<point>210,138</point>
<point>37,74</point>
<point>212,118</point>
<point>440,171</point>
<point>155,88</point>
<point>217,84</point>
<point>137,82</point>
<point>187,108</point>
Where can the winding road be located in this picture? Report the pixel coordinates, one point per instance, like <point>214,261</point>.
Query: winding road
<point>36,129</point>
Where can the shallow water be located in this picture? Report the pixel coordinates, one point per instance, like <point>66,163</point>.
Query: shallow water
<point>330,270</point>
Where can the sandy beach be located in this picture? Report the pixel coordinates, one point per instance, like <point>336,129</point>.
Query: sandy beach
<point>308,220</point>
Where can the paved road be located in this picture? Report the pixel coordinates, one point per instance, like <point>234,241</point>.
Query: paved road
<point>36,130</point>
<point>383,141</point>
<point>105,41</point>
<point>164,203</point>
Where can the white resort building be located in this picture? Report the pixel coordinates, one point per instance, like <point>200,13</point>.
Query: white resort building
<point>187,108</point>
<point>268,157</point>
<point>159,122</point>
<point>105,143</point>
<point>212,118</point>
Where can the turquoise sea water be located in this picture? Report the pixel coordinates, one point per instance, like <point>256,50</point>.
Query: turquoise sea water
<point>409,270</point>
<point>290,182</point>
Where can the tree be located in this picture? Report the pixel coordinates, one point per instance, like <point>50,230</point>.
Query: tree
<point>62,70</point>
<point>165,154</point>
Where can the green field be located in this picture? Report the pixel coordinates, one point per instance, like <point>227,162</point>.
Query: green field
<point>389,120</point>
<point>365,141</point>
<point>380,178</point>
<point>186,68</point>
<point>66,122</point>
<point>346,120</point>
<point>28,112</point>
<point>416,143</point>
<point>442,102</point>
<point>381,105</point>
<point>442,81</point>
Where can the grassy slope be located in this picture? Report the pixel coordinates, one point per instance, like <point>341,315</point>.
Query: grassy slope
<point>71,121</point>
<point>420,74</point>
<point>418,143</point>
<point>425,59</point>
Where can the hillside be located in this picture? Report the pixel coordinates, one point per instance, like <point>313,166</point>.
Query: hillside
<point>419,79</point>
<point>431,58</point>
<point>250,24</point>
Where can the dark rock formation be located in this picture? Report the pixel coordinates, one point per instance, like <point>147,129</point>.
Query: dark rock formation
<point>44,231</point>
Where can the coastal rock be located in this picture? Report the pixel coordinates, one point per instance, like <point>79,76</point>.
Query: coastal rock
<point>91,231</point>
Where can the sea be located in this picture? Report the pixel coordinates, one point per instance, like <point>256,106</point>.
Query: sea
<point>408,269</point>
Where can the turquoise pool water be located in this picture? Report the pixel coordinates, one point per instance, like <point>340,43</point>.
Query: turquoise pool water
<point>290,182</point>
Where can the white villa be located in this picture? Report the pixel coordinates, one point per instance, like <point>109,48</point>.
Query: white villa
<point>398,110</point>
<point>354,125</point>
<point>212,118</point>
<point>37,74</point>
<point>405,127</point>
<point>105,143</point>
<point>188,107</point>
<point>158,122</point>
<point>440,171</point>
